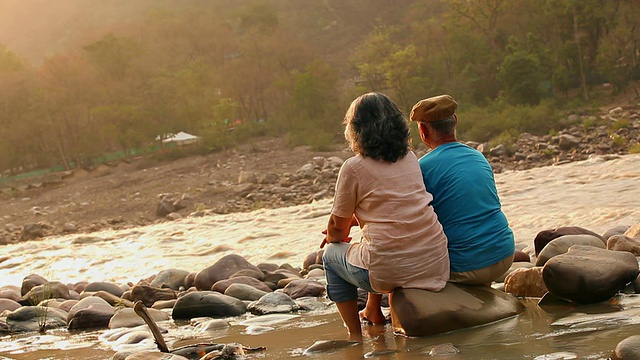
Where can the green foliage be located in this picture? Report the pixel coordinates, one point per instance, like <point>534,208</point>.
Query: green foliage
<point>521,76</point>
<point>370,57</point>
<point>42,308</point>
<point>634,149</point>
<point>620,124</point>
<point>317,140</point>
<point>112,54</point>
<point>562,80</point>
<point>9,61</point>
<point>313,107</point>
<point>588,123</point>
<point>618,141</point>
<point>259,16</point>
<point>548,152</point>
<point>483,124</point>
<point>507,138</point>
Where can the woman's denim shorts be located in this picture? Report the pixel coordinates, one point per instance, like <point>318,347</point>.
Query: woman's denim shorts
<point>343,279</point>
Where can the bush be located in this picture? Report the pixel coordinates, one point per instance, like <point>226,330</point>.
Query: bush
<point>620,124</point>
<point>317,140</point>
<point>483,124</point>
<point>588,123</point>
<point>634,149</point>
<point>618,141</point>
<point>507,138</point>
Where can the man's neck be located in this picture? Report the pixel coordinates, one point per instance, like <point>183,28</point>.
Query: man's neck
<point>446,140</point>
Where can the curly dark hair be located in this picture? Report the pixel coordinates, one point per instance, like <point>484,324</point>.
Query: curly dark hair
<point>376,128</point>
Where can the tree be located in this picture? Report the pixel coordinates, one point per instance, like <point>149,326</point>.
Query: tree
<point>9,62</point>
<point>113,55</point>
<point>521,75</point>
<point>370,57</point>
<point>618,52</point>
<point>67,87</point>
<point>312,101</point>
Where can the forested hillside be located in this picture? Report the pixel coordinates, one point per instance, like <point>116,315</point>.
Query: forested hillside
<point>80,80</point>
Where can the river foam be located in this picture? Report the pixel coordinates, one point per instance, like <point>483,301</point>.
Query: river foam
<point>597,194</point>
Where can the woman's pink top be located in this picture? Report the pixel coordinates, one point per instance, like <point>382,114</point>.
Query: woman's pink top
<point>403,244</point>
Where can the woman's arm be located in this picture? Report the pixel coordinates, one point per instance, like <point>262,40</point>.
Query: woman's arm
<point>338,228</point>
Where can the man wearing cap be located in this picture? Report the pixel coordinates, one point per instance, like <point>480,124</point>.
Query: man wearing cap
<point>481,244</point>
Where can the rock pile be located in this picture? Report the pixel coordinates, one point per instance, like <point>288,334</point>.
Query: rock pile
<point>615,132</point>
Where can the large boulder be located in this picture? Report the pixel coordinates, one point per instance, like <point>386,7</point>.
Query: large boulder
<point>417,312</point>
<point>104,286</point>
<point>304,287</point>
<point>8,304</point>
<point>10,292</point>
<point>31,281</point>
<point>561,244</point>
<point>244,292</point>
<point>586,274</point>
<point>48,290</point>
<point>126,317</point>
<point>545,236</point>
<point>627,349</point>
<point>221,270</point>
<point>170,278</point>
<point>90,313</point>
<point>624,243</point>
<point>222,285</point>
<point>273,303</point>
<point>150,294</point>
<point>33,318</point>
<point>207,303</point>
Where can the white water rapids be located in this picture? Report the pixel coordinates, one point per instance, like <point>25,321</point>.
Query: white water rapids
<point>595,194</point>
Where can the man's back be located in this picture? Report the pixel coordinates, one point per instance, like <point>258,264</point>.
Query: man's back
<point>467,204</point>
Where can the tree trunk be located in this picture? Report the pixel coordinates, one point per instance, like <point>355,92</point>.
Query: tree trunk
<point>583,78</point>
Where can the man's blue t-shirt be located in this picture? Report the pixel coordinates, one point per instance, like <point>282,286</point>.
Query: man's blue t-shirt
<point>467,204</point>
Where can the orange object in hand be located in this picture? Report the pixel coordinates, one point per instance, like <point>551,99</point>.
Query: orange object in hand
<point>324,241</point>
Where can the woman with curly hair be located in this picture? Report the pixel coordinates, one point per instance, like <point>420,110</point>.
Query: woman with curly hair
<point>381,190</point>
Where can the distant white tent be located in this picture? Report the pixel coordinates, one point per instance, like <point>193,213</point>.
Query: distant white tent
<point>182,138</point>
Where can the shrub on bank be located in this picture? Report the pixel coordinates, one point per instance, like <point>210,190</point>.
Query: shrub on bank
<point>502,121</point>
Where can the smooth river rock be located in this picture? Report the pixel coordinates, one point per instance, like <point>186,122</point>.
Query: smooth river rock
<point>545,236</point>
<point>624,243</point>
<point>418,312</point>
<point>627,349</point>
<point>587,275</point>
<point>221,270</point>
<point>561,244</point>
<point>90,313</point>
<point>207,303</point>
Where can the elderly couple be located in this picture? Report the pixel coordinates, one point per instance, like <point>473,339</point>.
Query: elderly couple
<point>424,222</point>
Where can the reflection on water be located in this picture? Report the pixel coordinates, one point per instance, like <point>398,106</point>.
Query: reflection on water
<point>593,194</point>
<point>534,334</point>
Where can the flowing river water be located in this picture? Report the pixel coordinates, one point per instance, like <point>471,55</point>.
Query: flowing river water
<point>597,194</point>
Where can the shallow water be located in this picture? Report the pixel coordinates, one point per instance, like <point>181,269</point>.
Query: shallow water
<point>594,194</point>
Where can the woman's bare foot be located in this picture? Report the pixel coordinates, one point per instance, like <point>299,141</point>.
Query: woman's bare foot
<point>373,317</point>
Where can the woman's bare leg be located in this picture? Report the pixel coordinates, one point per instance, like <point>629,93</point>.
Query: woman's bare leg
<point>372,311</point>
<point>349,312</point>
